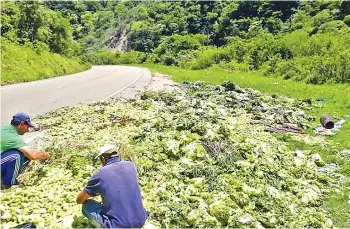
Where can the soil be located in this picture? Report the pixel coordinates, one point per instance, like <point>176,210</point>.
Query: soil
<point>161,82</point>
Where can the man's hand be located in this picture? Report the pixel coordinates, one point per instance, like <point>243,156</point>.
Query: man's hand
<point>82,197</point>
<point>46,155</point>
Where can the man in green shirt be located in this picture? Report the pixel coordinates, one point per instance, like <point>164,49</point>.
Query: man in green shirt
<point>15,154</point>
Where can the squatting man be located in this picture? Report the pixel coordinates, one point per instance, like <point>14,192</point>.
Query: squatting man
<point>117,183</point>
<point>15,154</point>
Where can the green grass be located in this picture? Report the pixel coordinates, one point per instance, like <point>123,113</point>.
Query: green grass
<point>23,64</point>
<point>336,105</point>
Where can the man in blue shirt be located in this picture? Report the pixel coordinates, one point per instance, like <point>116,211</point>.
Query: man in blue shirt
<point>117,182</point>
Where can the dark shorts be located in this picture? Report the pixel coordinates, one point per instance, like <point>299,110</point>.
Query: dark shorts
<point>92,210</point>
<point>13,163</point>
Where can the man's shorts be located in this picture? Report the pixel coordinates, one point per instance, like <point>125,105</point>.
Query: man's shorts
<point>92,210</point>
<point>13,163</point>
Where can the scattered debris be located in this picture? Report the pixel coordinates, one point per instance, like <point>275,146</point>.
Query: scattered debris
<point>344,154</point>
<point>328,168</point>
<point>287,128</point>
<point>338,124</point>
<point>325,131</point>
<point>161,82</point>
<point>320,100</point>
<point>326,122</point>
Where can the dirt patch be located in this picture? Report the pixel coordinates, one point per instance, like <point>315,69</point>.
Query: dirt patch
<point>161,82</point>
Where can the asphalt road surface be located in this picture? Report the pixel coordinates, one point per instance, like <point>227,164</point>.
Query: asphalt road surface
<point>96,84</point>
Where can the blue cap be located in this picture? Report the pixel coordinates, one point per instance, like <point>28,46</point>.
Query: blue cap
<point>22,117</point>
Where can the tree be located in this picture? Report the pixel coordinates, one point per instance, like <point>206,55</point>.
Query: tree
<point>30,21</point>
<point>61,38</point>
<point>10,16</point>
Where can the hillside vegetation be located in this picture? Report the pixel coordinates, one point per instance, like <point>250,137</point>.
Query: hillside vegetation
<point>298,40</point>
<point>303,41</point>
<point>36,43</point>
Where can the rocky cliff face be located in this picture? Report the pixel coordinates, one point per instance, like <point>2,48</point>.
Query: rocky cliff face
<point>119,42</point>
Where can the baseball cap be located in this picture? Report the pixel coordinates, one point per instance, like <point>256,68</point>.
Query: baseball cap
<point>106,149</point>
<point>23,117</point>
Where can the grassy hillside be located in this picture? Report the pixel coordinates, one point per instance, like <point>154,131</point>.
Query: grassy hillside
<point>23,64</point>
<point>336,104</point>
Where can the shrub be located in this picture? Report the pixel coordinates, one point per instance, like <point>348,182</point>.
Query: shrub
<point>211,56</point>
<point>132,57</point>
<point>322,17</point>
<point>346,20</point>
<point>317,69</point>
<point>103,58</point>
<point>331,26</point>
<point>169,49</point>
<point>232,66</point>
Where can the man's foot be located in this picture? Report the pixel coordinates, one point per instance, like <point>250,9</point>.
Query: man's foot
<point>21,184</point>
<point>3,186</point>
<point>26,225</point>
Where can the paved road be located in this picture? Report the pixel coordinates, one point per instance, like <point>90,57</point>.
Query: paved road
<point>96,84</point>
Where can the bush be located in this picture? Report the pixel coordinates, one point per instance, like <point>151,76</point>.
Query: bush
<point>322,17</point>
<point>103,58</point>
<point>211,56</point>
<point>346,20</point>
<point>232,66</point>
<point>317,69</point>
<point>287,69</point>
<point>132,57</point>
<point>176,46</point>
<point>152,58</point>
<point>331,26</point>
<point>113,58</point>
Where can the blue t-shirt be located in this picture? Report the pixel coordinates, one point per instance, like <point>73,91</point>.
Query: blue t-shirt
<point>122,203</point>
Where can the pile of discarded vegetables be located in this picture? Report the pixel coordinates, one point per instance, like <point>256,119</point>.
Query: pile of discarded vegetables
<point>204,159</point>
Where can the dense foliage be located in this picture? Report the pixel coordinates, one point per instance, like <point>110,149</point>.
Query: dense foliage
<point>23,22</point>
<point>204,163</point>
<point>298,40</point>
<point>36,43</point>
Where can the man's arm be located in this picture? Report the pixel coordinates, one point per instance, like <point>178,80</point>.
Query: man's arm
<point>82,197</point>
<point>93,188</point>
<point>34,155</point>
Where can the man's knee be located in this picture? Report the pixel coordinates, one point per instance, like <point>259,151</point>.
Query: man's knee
<point>3,185</point>
<point>92,209</point>
<point>87,203</point>
<point>90,206</point>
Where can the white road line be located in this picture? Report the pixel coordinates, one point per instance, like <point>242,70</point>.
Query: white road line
<point>141,73</point>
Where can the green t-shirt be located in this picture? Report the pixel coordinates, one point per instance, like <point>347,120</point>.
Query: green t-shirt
<point>10,139</point>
